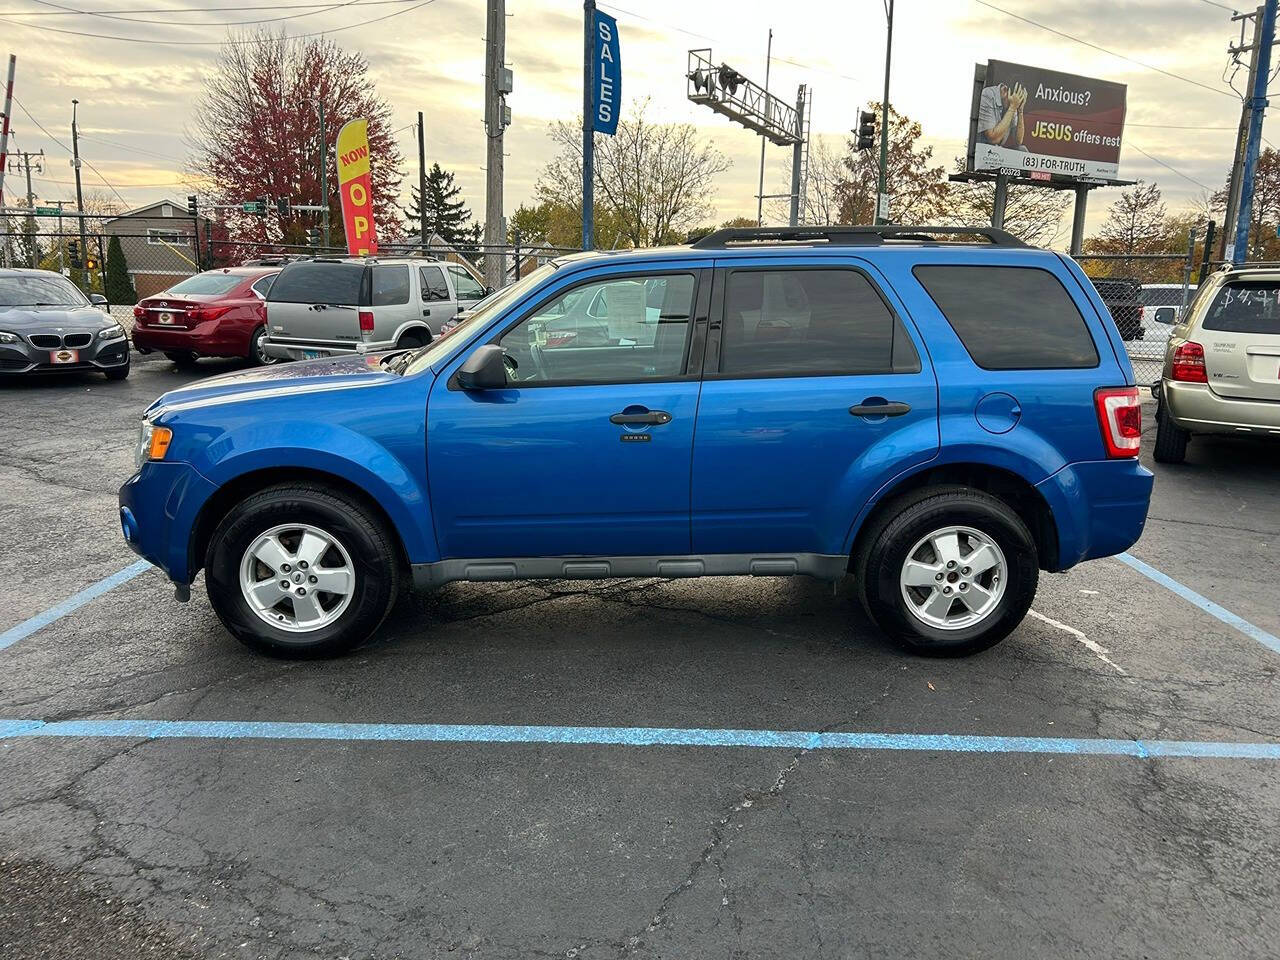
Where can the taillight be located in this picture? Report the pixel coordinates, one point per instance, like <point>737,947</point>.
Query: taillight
<point>366,324</point>
<point>1120,417</point>
<point>139,312</point>
<point>1188,363</point>
<point>201,314</point>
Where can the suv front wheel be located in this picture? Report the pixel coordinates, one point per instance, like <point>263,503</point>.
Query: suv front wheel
<point>301,570</point>
<point>950,572</point>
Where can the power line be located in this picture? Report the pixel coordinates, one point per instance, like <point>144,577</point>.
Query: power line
<point>208,23</point>
<point>1220,6</point>
<point>1094,46</point>
<point>1161,126</point>
<point>1169,167</point>
<point>122,146</point>
<point>72,12</point>
<point>217,43</point>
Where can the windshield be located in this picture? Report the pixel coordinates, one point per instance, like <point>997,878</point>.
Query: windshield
<point>212,283</point>
<point>39,290</point>
<point>445,347</point>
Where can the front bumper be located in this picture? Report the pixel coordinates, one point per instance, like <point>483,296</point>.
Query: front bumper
<point>159,506</point>
<point>25,357</point>
<point>1099,508</point>
<point>1195,407</point>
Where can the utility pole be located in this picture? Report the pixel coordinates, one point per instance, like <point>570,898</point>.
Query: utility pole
<point>324,175</point>
<point>1242,135</point>
<point>494,121</point>
<point>588,124</point>
<point>422,184</point>
<point>4,153</point>
<point>75,162</point>
<point>1257,104</point>
<point>882,197</point>
<point>797,158</point>
<point>26,162</point>
<point>768,62</point>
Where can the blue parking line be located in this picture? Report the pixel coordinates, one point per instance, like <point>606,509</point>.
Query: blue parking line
<point>627,737</point>
<point>1204,603</point>
<point>74,602</point>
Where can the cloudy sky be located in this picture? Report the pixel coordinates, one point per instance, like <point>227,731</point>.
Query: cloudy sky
<point>136,80</point>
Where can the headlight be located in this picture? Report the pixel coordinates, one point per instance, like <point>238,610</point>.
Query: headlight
<point>113,332</point>
<point>7,337</point>
<point>153,443</point>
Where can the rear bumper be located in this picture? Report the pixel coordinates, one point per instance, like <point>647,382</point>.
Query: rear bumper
<point>1099,508</point>
<point>315,349</point>
<point>211,337</point>
<point>158,509</point>
<point>22,357</point>
<point>1195,407</point>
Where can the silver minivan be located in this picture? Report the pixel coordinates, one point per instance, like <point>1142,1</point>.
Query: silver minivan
<point>327,307</point>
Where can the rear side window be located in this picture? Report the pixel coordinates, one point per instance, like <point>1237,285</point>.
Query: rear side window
<point>318,282</point>
<point>433,285</point>
<point>390,285</point>
<point>810,322</point>
<point>1011,318</point>
<point>1245,306</point>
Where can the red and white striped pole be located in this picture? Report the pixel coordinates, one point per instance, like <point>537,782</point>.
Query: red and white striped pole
<point>4,125</point>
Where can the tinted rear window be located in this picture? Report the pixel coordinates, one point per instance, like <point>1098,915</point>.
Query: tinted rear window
<point>1011,318</point>
<point>318,283</point>
<point>211,284</point>
<point>390,285</point>
<point>1245,306</point>
<point>810,322</point>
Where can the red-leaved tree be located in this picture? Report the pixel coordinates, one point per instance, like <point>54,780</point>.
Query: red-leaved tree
<point>257,133</point>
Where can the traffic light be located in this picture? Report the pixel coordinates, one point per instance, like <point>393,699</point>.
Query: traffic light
<point>282,207</point>
<point>73,254</point>
<point>313,236</point>
<point>866,130</point>
<point>264,204</point>
<point>90,263</point>
<point>191,204</point>
<point>730,79</point>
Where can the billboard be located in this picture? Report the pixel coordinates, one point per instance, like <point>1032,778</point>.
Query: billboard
<point>1027,120</point>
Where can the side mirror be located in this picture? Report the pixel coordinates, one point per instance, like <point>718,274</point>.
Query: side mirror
<point>97,299</point>
<point>1166,315</point>
<point>484,369</point>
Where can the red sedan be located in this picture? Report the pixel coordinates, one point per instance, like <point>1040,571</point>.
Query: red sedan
<point>219,313</point>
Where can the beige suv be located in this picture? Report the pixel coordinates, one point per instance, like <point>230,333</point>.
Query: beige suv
<point>1222,364</point>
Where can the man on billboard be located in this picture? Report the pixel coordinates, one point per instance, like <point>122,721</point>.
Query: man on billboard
<point>1000,115</point>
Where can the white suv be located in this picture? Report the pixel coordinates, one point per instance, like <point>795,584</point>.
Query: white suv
<point>326,307</point>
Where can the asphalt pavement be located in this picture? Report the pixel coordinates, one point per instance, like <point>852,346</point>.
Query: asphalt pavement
<point>472,783</point>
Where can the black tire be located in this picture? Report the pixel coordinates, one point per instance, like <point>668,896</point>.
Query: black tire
<point>117,373</point>
<point>365,537</point>
<point>412,339</point>
<point>183,358</point>
<point>1171,440</point>
<point>883,551</point>
<point>256,356</point>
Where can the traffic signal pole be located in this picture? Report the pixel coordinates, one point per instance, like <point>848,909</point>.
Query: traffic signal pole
<point>882,199</point>
<point>1258,106</point>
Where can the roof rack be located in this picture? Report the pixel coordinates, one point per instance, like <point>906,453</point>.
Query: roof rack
<point>849,236</point>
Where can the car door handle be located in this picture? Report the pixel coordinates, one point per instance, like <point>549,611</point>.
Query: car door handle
<point>881,409</point>
<point>655,417</point>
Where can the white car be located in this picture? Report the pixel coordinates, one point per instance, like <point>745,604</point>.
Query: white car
<point>1162,305</point>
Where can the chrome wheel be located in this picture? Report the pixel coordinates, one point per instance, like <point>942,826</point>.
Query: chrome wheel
<point>260,349</point>
<point>297,577</point>
<point>953,578</point>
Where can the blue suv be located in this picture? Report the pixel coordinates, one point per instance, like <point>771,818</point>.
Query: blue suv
<point>939,412</point>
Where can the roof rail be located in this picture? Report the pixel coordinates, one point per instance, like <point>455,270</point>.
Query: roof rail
<point>849,236</point>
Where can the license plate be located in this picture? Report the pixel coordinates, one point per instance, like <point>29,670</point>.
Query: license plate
<point>311,354</point>
<point>165,318</point>
<point>64,356</point>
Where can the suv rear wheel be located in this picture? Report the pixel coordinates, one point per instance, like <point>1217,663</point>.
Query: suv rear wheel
<point>950,571</point>
<point>257,352</point>
<point>1171,440</point>
<point>301,570</point>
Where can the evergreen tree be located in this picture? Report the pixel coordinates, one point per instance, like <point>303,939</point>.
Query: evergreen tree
<point>446,214</point>
<point>118,283</point>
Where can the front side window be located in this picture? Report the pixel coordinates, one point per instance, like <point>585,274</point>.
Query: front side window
<point>810,322</point>
<point>1245,306</point>
<point>610,331</point>
<point>466,285</point>
<point>1011,318</point>
<point>390,285</point>
<point>433,286</point>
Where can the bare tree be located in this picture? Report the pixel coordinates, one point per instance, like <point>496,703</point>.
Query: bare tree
<point>1032,213</point>
<point>658,179</point>
<point>825,187</point>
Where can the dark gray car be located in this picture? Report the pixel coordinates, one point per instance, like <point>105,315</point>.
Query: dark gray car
<point>48,326</point>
